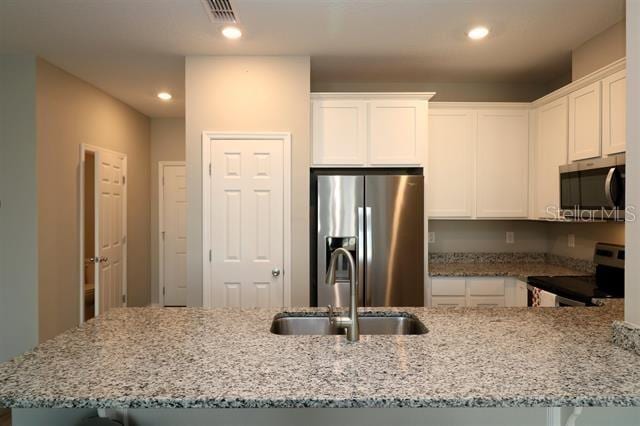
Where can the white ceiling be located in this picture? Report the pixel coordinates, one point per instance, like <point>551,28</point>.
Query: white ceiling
<point>134,48</point>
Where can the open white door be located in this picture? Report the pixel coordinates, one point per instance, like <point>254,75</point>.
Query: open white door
<point>173,233</point>
<point>111,230</point>
<point>248,201</point>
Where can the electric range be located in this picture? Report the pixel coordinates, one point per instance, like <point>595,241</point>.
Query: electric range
<point>581,290</point>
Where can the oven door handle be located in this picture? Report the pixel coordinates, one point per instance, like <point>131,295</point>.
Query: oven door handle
<point>569,302</point>
<point>607,186</point>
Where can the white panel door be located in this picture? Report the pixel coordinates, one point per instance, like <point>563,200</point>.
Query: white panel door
<point>247,223</point>
<point>450,170</point>
<point>110,230</point>
<point>584,123</point>
<point>397,132</point>
<point>614,113</point>
<point>174,235</point>
<point>339,132</point>
<point>550,152</point>
<point>502,163</point>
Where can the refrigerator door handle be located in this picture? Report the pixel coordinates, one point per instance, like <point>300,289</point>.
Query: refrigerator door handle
<point>368,295</point>
<point>361,254</point>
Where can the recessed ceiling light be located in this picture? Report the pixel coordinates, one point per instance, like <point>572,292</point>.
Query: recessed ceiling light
<point>478,33</point>
<point>232,32</point>
<point>165,96</point>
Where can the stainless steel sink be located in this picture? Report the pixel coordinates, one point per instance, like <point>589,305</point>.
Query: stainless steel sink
<point>396,323</point>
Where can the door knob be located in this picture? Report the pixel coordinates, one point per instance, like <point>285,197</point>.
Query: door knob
<point>103,259</point>
<point>275,272</point>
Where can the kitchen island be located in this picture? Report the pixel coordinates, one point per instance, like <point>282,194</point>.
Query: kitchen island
<point>155,358</point>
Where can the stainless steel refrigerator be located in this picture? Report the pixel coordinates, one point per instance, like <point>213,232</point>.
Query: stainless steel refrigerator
<point>379,219</point>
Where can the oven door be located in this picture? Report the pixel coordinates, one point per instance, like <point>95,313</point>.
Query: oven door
<point>541,298</point>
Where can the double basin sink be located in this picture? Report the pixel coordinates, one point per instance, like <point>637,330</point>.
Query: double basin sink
<point>371,323</point>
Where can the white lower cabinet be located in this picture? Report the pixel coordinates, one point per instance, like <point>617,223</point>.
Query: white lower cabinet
<point>448,302</point>
<point>487,301</point>
<point>487,292</point>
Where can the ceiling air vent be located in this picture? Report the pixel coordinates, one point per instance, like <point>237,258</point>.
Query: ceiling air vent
<point>220,11</point>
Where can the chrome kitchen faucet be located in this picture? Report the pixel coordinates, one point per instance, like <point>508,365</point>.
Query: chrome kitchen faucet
<point>350,323</point>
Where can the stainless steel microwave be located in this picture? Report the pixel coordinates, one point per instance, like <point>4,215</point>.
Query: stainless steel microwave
<point>593,189</point>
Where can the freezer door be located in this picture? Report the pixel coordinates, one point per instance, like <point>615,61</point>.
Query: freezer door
<point>340,224</point>
<point>394,246</point>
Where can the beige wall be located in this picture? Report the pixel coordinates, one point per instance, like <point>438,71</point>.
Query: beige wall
<point>71,112</point>
<point>249,94</point>
<point>599,51</point>
<point>586,236</point>
<point>167,144</point>
<point>487,236</point>
<point>19,212</point>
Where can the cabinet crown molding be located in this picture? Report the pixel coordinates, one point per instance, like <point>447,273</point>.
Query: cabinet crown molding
<point>373,95</point>
<point>479,105</point>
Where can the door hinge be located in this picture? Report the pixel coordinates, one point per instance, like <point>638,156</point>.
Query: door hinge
<point>164,291</point>
<point>209,255</point>
<point>162,180</point>
<point>162,235</point>
<point>124,179</point>
<point>209,169</point>
<point>124,298</point>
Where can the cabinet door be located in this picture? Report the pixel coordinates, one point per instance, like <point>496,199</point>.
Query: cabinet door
<point>584,123</point>
<point>502,163</point>
<point>515,293</point>
<point>448,287</point>
<point>486,286</point>
<point>550,153</point>
<point>397,132</point>
<point>450,168</point>
<point>339,132</point>
<point>614,113</point>
<point>521,294</point>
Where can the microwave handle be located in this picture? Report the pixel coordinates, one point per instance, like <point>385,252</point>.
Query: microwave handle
<point>607,186</point>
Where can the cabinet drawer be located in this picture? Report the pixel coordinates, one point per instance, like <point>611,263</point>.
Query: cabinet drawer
<point>447,287</point>
<point>486,302</point>
<point>448,302</point>
<point>486,286</point>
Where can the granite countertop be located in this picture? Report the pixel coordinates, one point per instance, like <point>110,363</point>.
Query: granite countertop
<point>509,269</point>
<point>227,358</point>
<point>520,265</point>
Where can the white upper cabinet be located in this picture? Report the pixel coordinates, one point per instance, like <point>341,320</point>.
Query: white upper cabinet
<point>550,152</point>
<point>584,122</point>
<point>502,163</point>
<point>397,132</point>
<point>339,132</point>
<point>369,129</point>
<point>614,117</point>
<point>450,172</point>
